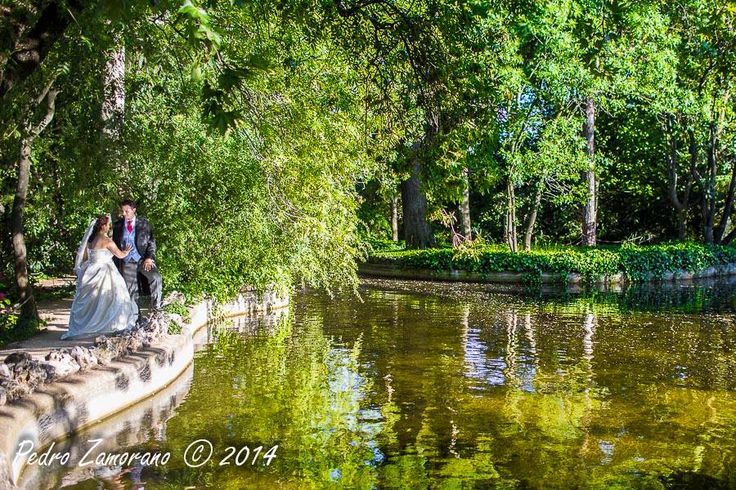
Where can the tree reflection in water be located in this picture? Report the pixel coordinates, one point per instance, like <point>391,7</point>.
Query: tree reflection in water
<point>414,390</point>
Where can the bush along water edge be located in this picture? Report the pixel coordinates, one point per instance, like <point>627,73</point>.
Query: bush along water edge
<point>637,263</point>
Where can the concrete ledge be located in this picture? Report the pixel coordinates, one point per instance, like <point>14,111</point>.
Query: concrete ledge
<point>66,406</point>
<point>130,427</point>
<point>78,401</point>
<point>398,272</point>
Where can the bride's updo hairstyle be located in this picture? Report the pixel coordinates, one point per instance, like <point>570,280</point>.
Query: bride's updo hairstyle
<point>102,220</point>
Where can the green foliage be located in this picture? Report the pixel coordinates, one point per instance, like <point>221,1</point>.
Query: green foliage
<point>253,133</point>
<point>264,196</point>
<point>376,244</point>
<point>8,318</point>
<point>174,329</point>
<point>470,250</point>
<point>636,262</point>
<point>179,309</point>
<point>653,261</point>
<point>12,326</point>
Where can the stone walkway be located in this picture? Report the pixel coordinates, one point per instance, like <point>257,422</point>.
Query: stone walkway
<point>56,314</point>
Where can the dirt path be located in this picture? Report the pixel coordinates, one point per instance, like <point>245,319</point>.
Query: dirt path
<point>56,314</point>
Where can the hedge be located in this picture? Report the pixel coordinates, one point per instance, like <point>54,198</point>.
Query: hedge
<point>636,262</point>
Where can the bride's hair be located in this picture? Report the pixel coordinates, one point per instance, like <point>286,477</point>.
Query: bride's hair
<point>102,220</point>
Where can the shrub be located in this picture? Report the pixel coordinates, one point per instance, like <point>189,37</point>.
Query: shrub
<point>636,262</point>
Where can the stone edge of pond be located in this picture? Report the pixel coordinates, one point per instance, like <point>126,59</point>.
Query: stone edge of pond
<point>72,403</point>
<point>399,272</point>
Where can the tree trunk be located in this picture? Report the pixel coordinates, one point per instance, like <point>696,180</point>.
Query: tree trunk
<point>395,218</point>
<point>697,177</point>
<point>729,238</point>
<point>511,216</point>
<point>29,311</point>
<point>728,204</point>
<point>709,193</point>
<point>680,205</point>
<point>26,41</point>
<point>727,208</point>
<point>590,210</point>
<point>465,205</point>
<point>417,231</point>
<point>532,218</point>
<point>113,113</point>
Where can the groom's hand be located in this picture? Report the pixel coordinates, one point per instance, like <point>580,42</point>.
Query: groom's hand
<point>148,264</point>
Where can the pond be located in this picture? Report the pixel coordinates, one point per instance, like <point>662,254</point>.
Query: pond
<point>421,385</point>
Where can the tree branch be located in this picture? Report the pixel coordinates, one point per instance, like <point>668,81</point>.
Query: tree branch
<point>28,51</point>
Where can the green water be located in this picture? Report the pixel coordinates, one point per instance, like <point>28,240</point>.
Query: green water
<point>439,386</point>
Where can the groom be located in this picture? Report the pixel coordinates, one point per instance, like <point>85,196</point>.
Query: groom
<point>139,266</point>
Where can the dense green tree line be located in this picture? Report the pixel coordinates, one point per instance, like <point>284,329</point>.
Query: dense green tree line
<point>267,140</point>
<point>590,121</point>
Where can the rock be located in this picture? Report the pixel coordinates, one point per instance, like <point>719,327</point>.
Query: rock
<point>62,362</point>
<point>52,374</point>
<point>103,354</point>
<point>135,342</point>
<point>174,297</point>
<point>20,374</point>
<point>18,357</point>
<point>53,355</point>
<point>83,357</point>
<point>92,357</point>
<point>156,324</point>
<point>109,348</point>
<point>30,374</point>
<point>14,389</point>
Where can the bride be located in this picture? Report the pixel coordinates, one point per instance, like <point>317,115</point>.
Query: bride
<point>102,303</point>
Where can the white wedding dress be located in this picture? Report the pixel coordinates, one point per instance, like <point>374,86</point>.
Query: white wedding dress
<point>102,304</point>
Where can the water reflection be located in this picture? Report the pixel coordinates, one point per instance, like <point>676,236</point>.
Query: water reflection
<point>143,423</point>
<point>418,389</point>
<point>243,325</point>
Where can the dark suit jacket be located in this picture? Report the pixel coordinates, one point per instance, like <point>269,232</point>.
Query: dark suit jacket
<point>144,239</point>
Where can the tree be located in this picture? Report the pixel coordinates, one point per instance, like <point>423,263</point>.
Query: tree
<point>423,50</point>
<point>30,30</point>
<point>29,311</point>
<point>112,114</point>
<point>706,78</point>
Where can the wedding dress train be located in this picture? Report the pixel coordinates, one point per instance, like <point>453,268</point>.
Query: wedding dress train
<point>102,303</point>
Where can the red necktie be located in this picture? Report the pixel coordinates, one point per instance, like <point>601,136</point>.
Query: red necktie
<point>130,226</point>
